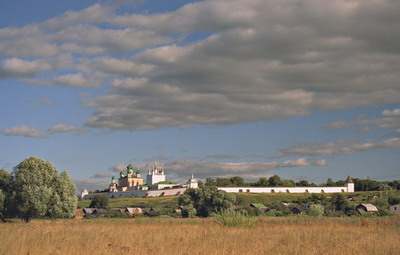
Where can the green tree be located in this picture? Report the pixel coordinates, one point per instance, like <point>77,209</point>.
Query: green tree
<point>316,210</point>
<point>262,182</point>
<point>99,201</point>
<point>340,203</point>
<point>210,182</point>
<point>34,186</point>
<point>188,211</point>
<point>330,183</point>
<point>63,201</point>
<point>302,183</point>
<point>207,200</point>
<point>40,191</point>
<point>394,200</point>
<point>237,181</point>
<point>275,181</point>
<point>6,185</point>
<point>223,182</point>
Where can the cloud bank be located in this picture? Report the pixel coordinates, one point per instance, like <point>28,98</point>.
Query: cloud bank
<point>215,62</point>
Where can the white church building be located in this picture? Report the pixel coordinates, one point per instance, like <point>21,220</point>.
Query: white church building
<point>130,184</point>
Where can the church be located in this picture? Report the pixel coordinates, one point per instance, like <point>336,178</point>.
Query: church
<point>131,183</point>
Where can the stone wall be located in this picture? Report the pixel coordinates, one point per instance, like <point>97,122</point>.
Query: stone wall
<point>287,189</point>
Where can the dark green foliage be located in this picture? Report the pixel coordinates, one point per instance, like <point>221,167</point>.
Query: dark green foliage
<point>116,214</point>
<point>394,200</point>
<point>340,203</point>
<point>207,200</point>
<point>189,211</point>
<point>262,182</point>
<point>99,201</point>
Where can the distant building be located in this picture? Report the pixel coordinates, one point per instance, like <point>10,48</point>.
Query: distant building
<point>363,209</point>
<point>299,210</point>
<point>130,180</point>
<point>259,206</point>
<point>84,192</point>
<point>395,209</point>
<point>192,183</point>
<point>155,174</point>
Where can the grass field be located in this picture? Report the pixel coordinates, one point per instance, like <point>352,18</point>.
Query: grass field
<point>289,235</point>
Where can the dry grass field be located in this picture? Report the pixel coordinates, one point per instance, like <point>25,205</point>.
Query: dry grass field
<point>202,236</point>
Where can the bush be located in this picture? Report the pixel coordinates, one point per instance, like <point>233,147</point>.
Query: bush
<point>316,210</point>
<point>116,214</point>
<point>229,218</point>
<point>99,201</point>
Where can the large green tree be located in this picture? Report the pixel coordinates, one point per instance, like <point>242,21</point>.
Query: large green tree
<point>206,200</point>
<point>40,191</point>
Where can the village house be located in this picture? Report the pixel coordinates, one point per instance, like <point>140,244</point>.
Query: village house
<point>133,211</point>
<point>395,209</point>
<point>259,206</point>
<point>299,210</point>
<point>79,214</point>
<point>364,209</point>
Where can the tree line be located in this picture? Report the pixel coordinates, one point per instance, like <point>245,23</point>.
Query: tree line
<point>35,189</point>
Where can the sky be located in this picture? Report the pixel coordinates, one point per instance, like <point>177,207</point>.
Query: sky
<point>304,89</point>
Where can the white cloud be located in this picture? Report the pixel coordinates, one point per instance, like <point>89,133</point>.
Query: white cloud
<point>394,112</point>
<point>118,167</point>
<point>61,128</point>
<point>25,131</point>
<point>75,80</point>
<point>252,60</point>
<point>15,67</point>
<point>340,147</point>
<point>205,168</point>
<point>101,175</point>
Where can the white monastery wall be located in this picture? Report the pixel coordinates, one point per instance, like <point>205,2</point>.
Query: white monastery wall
<point>288,189</point>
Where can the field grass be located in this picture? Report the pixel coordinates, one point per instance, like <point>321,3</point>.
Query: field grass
<point>289,235</point>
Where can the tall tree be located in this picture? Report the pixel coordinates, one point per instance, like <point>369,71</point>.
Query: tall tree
<point>40,191</point>
<point>275,181</point>
<point>63,200</point>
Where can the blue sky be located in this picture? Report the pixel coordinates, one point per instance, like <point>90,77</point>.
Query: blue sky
<point>303,89</point>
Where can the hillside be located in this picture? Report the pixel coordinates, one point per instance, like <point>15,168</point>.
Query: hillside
<point>242,199</point>
<point>142,202</point>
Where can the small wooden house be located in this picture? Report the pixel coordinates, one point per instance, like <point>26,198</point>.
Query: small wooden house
<point>79,214</point>
<point>259,206</point>
<point>131,211</point>
<point>395,209</point>
<point>363,209</point>
<point>87,211</point>
<point>299,210</point>
<point>99,212</point>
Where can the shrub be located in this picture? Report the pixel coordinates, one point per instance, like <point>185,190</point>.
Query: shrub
<point>229,218</point>
<point>316,210</point>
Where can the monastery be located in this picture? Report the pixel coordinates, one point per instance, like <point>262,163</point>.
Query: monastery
<point>131,184</point>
